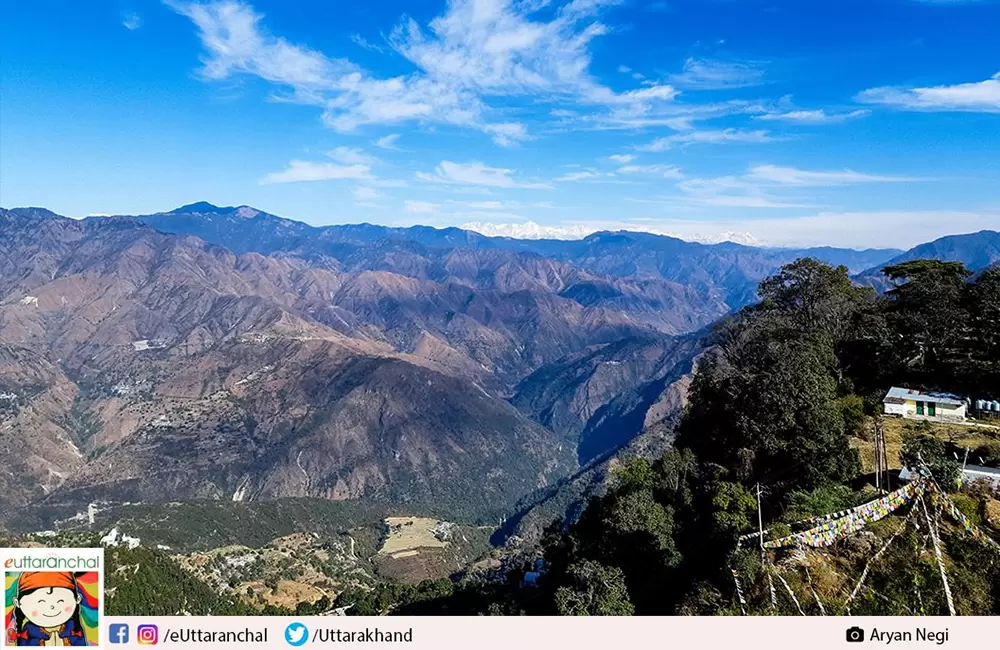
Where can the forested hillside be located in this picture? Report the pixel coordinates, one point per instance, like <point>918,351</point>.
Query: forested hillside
<point>789,383</point>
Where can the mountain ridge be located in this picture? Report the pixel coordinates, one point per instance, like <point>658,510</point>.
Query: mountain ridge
<point>278,347</point>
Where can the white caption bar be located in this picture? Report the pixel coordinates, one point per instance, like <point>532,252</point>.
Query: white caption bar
<point>499,633</point>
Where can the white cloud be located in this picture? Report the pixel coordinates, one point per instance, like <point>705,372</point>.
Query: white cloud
<point>364,193</point>
<point>705,74</point>
<point>813,117</point>
<point>674,115</point>
<point>801,177</point>
<point>722,136</point>
<point>666,171</point>
<point>302,170</point>
<point>624,69</point>
<point>131,21</point>
<point>578,176</point>
<point>237,44</point>
<point>732,192</point>
<point>476,51</point>
<point>388,142</point>
<point>621,158</point>
<point>389,182</point>
<point>507,134</point>
<point>659,91</point>
<point>755,188</point>
<point>421,207</point>
<point>361,41</point>
<point>352,156</point>
<point>489,205</point>
<point>476,173</point>
<point>979,97</point>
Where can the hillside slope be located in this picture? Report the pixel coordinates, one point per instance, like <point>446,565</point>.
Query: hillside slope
<point>153,367</point>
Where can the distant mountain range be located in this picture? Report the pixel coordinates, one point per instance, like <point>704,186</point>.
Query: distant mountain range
<point>227,353</point>
<point>727,271</point>
<point>977,251</point>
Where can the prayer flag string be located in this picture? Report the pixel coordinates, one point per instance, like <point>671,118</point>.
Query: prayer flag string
<point>828,533</point>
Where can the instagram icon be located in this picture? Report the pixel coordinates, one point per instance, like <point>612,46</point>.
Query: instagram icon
<point>147,635</point>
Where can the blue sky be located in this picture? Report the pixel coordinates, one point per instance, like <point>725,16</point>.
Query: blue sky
<point>785,122</point>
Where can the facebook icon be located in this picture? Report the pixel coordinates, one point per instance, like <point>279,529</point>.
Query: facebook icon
<point>118,633</point>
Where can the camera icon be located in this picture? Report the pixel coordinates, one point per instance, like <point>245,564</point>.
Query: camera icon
<point>855,635</point>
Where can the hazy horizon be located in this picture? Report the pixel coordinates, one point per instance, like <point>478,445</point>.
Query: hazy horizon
<point>527,230</point>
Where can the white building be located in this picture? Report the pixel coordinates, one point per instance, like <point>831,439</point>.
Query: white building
<point>911,403</point>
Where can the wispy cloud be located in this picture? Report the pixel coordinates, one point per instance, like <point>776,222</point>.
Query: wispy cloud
<point>352,156</point>
<point>673,115</point>
<point>622,158</point>
<point>421,207</point>
<point>490,205</point>
<point>666,171</point>
<point>586,175</point>
<point>472,53</point>
<point>237,44</point>
<point>818,116</point>
<point>476,173</point>
<point>361,41</point>
<point>388,142</point>
<point>762,186</point>
<point>723,136</point>
<point>976,97</point>
<point>733,192</point>
<point>131,21</point>
<point>364,193</point>
<point>802,177</point>
<point>708,74</point>
<point>302,170</point>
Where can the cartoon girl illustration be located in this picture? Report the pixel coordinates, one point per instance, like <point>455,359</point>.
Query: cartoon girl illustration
<point>47,610</point>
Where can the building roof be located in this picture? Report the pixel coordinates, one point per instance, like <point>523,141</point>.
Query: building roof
<point>896,393</point>
<point>987,471</point>
<point>971,472</point>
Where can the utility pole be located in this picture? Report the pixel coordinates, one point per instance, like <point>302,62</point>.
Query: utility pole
<point>878,461</point>
<point>885,454</point>
<point>760,522</point>
<point>881,457</point>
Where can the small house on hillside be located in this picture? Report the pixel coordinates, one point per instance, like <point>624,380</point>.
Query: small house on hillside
<point>911,403</point>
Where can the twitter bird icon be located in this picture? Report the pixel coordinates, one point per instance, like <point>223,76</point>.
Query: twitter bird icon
<point>296,634</point>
